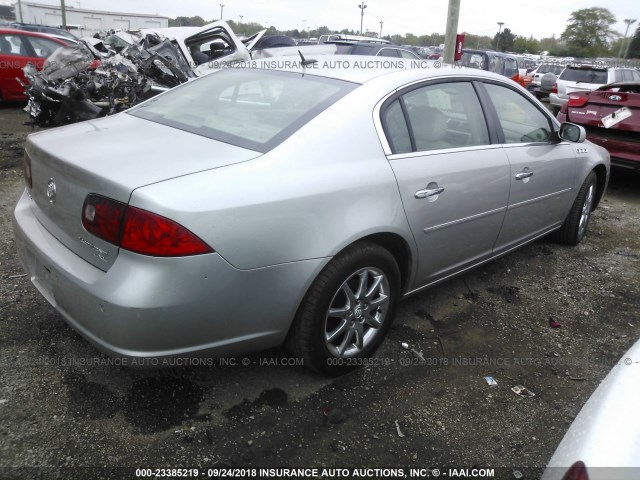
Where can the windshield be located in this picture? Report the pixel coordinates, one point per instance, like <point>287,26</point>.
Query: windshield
<point>251,108</point>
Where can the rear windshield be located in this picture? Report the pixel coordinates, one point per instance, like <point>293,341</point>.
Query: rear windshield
<point>251,108</point>
<point>584,75</point>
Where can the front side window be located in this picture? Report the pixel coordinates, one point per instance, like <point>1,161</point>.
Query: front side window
<point>251,108</point>
<point>520,120</point>
<point>43,47</point>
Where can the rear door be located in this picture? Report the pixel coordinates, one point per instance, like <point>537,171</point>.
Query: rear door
<point>14,56</point>
<point>453,182</point>
<point>542,170</point>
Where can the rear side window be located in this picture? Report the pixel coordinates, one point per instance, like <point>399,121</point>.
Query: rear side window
<point>251,108</point>
<point>584,75</point>
<point>13,45</point>
<point>444,115</point>
<point>520,120</point>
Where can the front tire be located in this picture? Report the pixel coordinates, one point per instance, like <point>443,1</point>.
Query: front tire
<point>347,311</point>
<point>574,227</point>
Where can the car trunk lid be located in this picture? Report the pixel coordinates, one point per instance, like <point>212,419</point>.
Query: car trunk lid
<point>111,157</point>
<point>602,103</point>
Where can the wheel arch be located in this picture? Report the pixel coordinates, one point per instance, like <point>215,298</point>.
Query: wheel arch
<point>398,248</point>
<point>394,243</point>
<point>601,183</point>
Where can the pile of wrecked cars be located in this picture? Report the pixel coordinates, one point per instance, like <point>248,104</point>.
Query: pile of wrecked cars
<point>106,75</point>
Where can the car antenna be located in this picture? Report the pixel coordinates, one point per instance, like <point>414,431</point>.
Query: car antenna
<point>305,62</point>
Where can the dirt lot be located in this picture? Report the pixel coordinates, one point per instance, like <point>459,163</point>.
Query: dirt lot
<point>65,412</point>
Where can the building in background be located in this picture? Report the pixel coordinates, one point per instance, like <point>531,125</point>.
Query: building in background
<point>84,22</point>
<point>6,12</point>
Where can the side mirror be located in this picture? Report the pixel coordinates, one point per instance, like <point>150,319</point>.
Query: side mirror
<point>547,81</point>
<point>572,132</point>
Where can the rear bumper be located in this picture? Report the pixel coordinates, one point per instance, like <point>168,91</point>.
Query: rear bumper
<point>146,308</point>
<point>623,154</point>
<point>557,100</point>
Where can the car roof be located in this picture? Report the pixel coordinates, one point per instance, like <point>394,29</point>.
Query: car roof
<point>365,68</point>
<point>12,31</point>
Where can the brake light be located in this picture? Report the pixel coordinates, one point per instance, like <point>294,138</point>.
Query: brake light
<point>577,471</point>
<point>138,230</point>
<point>554,89</point>
<point>26,161</point>
<point>578,100</point>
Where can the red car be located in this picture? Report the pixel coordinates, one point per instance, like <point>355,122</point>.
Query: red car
<point>611,117</point>
<point>17,48</point>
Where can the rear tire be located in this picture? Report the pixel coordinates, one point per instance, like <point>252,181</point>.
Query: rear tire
<point>347,311</point>
<point>575,225</point>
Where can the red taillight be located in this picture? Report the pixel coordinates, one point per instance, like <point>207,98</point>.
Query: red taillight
<point>577,471</point>
<point>150,234</point>
<point>554,89</point>
<point>577,100</point>
<point>27,170</point>
<point>138,230</point>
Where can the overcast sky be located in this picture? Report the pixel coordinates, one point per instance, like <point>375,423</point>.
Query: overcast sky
<point>540,18</point>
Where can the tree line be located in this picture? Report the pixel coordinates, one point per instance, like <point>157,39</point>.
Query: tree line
<point>588,34</point>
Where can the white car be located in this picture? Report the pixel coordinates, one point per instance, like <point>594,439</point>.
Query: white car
<point>580,78</point>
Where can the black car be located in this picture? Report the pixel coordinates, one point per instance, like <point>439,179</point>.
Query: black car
<point>376,49</point>
<point>46,29</point>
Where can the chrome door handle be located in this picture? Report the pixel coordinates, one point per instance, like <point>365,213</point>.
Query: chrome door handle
<point>429,192</point>
<point>523,175</point>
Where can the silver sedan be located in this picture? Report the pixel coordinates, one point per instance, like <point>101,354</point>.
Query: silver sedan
<point>292,202</point>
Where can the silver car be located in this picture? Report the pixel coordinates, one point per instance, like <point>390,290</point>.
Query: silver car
<point>292,202</point>
<point>603,442</point>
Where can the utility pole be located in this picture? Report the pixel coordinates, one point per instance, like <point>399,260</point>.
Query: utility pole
<point>20,11</point>
<point>64,14</point>
<point>381,22</point>
<point>241,17</point>
<point>362,6</point>
<point>221,7</point>
<point>452,30</point>
<point>498,40</point>
<point>629,22</point>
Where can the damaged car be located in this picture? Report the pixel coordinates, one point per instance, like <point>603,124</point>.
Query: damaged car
<point>137,65</point>
<point>77,83</point>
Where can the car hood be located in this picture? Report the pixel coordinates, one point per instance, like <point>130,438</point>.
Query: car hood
<point>111,157</point>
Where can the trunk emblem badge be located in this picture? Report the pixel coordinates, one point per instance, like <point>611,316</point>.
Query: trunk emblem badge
<point>615,98</point>
<point>51,191</point>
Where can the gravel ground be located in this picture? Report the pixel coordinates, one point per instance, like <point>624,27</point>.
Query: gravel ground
<point>66,412</point>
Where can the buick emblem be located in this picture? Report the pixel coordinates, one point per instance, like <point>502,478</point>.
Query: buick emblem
<point>615,98</point>
<point>51,191</point>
